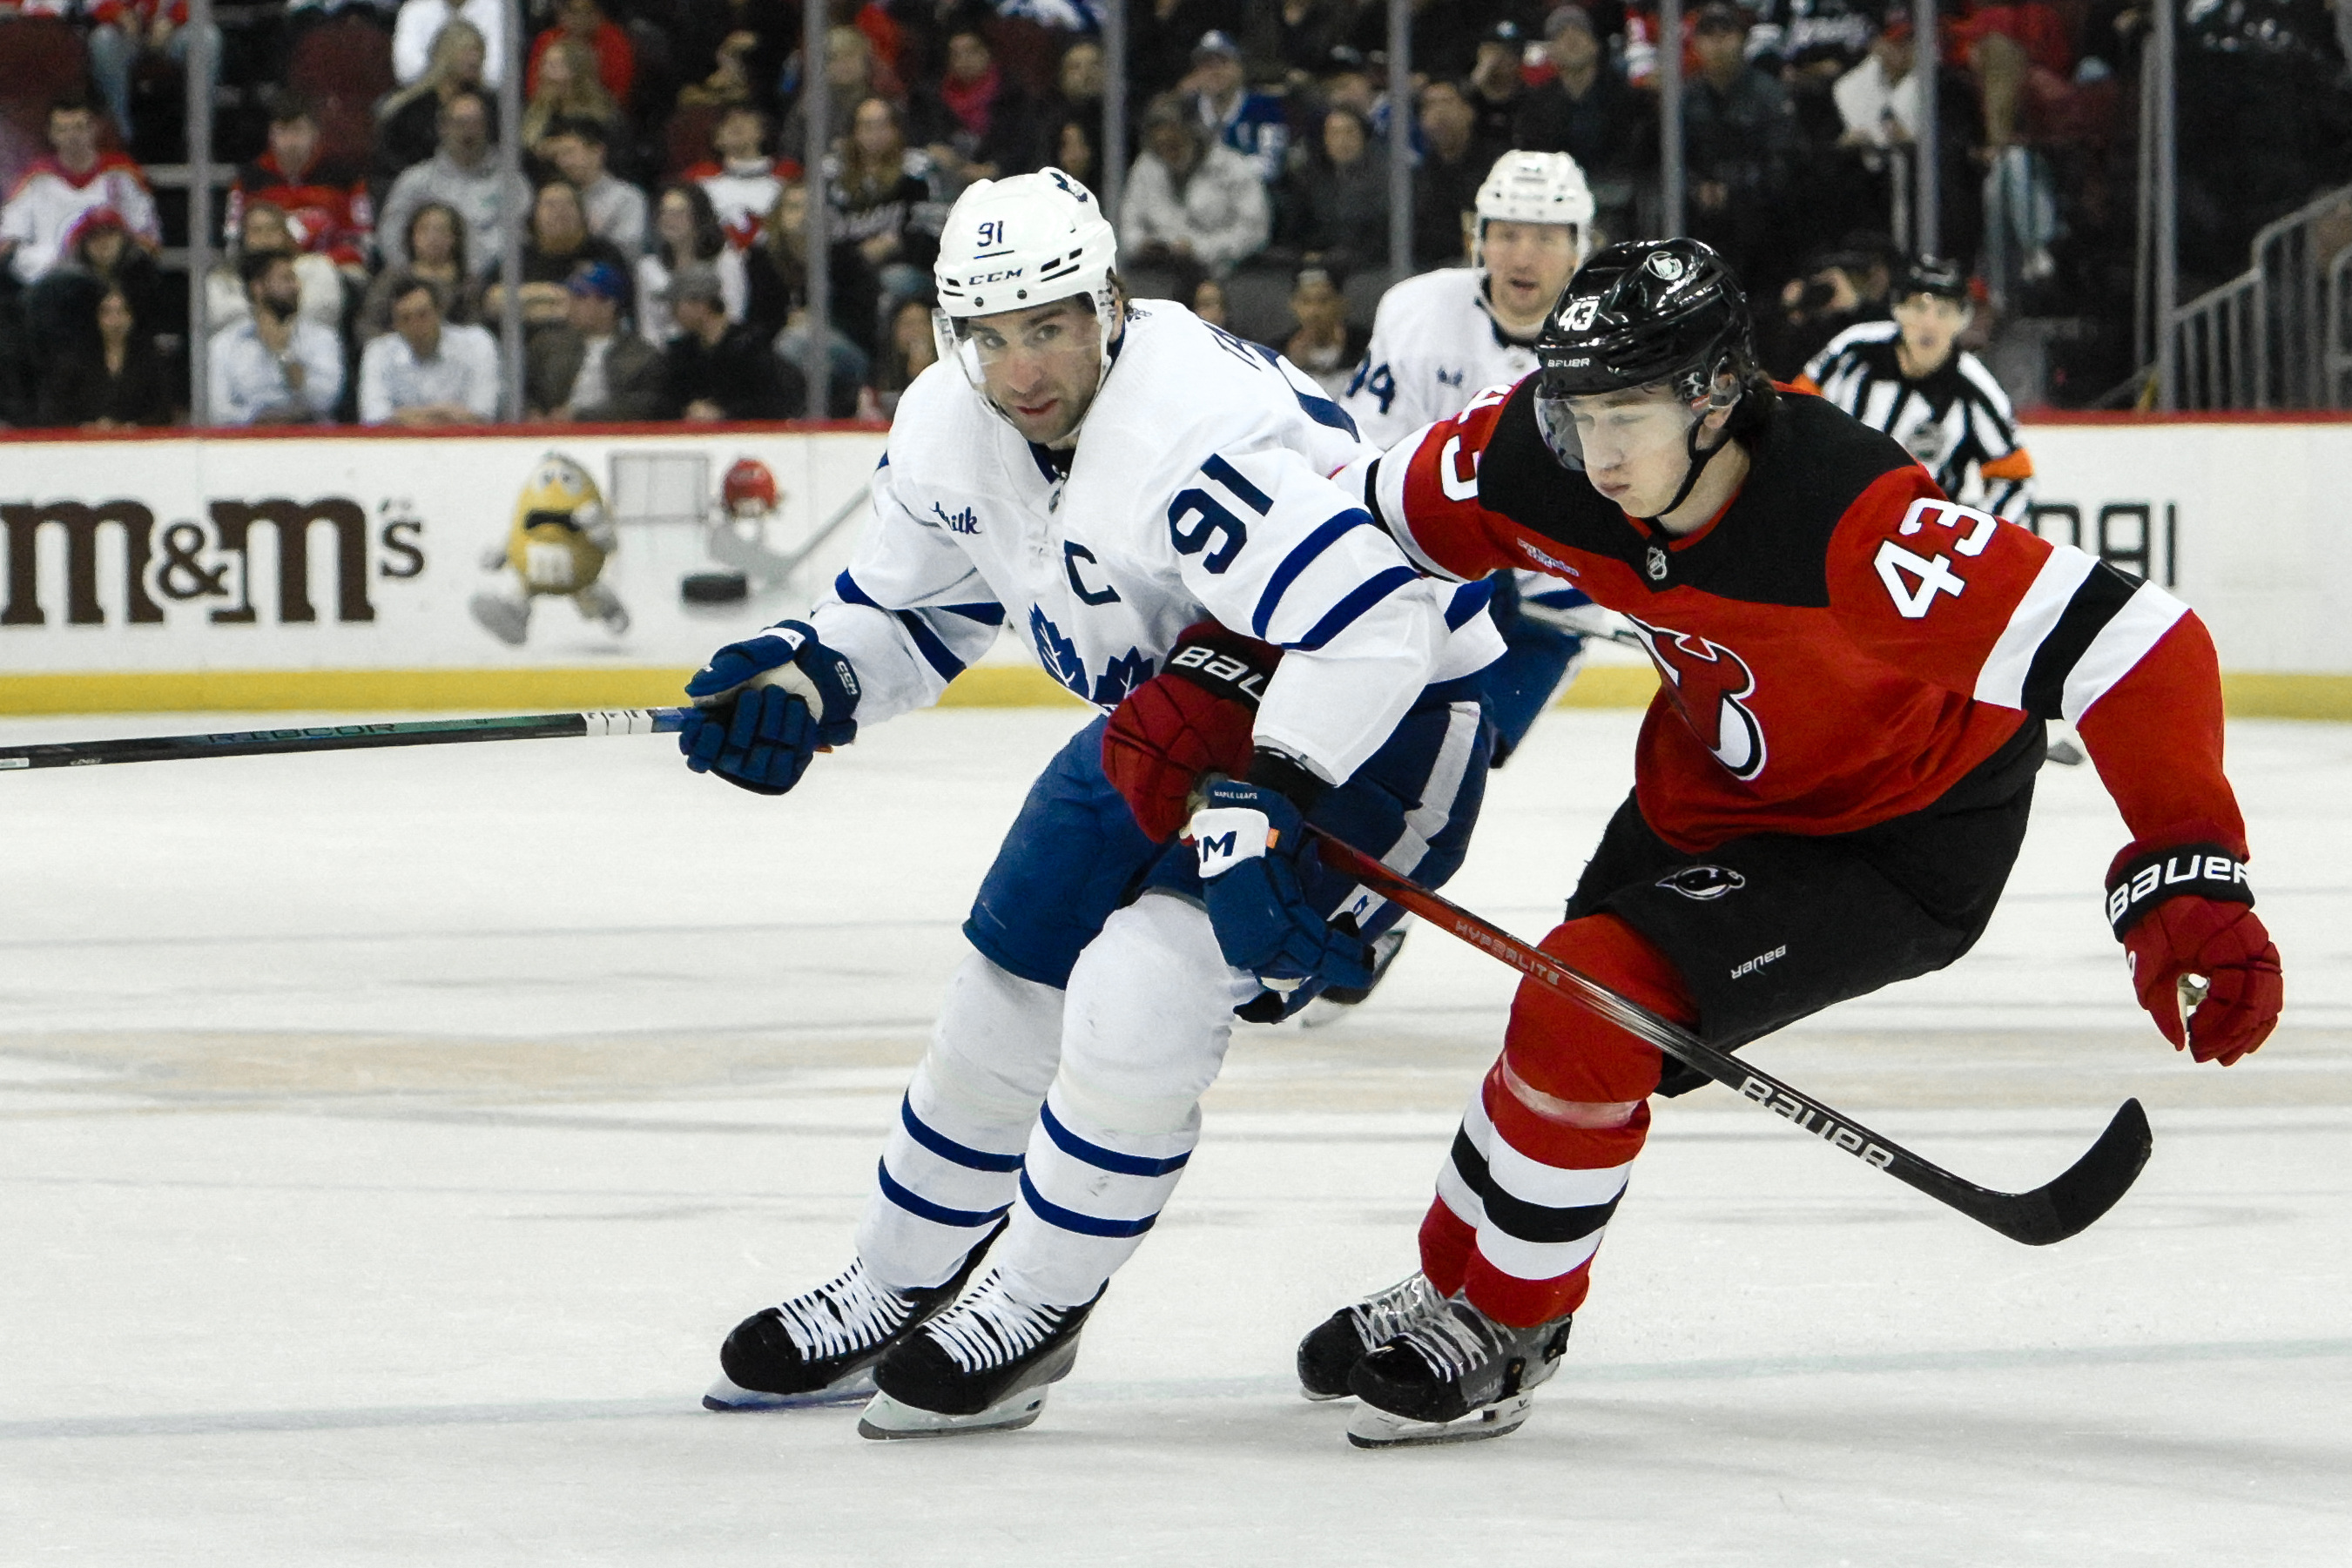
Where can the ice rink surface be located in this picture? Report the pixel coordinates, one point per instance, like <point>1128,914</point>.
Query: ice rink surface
<point>387,1140</point>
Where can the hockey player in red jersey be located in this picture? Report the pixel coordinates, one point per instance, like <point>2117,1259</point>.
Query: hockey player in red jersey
<point>1830,788</point>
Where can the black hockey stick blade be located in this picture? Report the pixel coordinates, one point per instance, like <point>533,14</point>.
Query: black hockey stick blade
<point>2091,1186</point>
<point>343,737</point>
<point>2049,1213</point>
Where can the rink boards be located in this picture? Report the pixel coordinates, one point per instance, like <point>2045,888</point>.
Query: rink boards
<point>256,573</point>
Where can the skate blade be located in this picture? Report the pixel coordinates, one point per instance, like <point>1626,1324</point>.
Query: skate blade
<point>1312,1397</point>
<point>1326,1010</point>
<point>727,1394</point>
<point>887,1420</point>
<point>1374,1428</point>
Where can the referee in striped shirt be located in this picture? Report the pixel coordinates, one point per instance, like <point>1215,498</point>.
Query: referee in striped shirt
<point>1909,378</point>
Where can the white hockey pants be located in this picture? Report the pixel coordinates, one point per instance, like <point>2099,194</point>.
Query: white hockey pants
<point>1074,1111</point>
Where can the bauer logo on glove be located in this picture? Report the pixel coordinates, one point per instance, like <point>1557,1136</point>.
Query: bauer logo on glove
<point>1221,673</point>
<point>1193,718</point>
<point>2201,963</point>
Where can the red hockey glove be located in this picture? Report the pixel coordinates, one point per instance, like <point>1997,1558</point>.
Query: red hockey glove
<point>2205,969</point>
<point>1194,716</point>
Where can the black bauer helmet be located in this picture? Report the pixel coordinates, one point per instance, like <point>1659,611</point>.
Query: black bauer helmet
<point>1644,313</point>
<point>1657,312</point>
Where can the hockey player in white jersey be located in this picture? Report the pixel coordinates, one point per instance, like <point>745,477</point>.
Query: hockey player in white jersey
<point>1142,497</point>
<point>1439,339</point>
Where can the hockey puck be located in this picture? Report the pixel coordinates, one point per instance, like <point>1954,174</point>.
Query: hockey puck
<point>715,588</point>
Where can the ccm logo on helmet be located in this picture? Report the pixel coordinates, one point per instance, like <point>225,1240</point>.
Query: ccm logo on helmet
<point>1009,272</point>
<point>1703,882</point>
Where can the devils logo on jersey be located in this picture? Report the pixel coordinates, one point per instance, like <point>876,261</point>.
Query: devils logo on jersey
<point>1704,882</point>
<point>1708,685</point>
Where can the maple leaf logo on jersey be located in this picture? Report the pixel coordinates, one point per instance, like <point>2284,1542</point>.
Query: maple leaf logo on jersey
<point>1057,652</point>
<point>1062,660</point>
<point>1708,685</point>
<point>1127,672</point>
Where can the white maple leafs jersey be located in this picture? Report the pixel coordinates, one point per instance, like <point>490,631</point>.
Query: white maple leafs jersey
<point>1198,491</point>
<point>1434,349</point>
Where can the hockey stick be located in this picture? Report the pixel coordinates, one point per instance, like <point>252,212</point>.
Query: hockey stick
<point>2049,1213</point>
<point>344,737</point>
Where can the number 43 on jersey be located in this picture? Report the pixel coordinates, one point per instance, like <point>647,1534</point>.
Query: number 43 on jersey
<point>1913,581</point>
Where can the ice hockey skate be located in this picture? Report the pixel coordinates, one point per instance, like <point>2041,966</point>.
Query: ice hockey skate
<point>1331,1349</point>
<point>986,1364</point>
<point>1453,1377</point>
<point>820,1347</point>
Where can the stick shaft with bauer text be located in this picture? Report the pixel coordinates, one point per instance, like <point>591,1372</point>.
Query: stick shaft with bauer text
<point>2049,1213</point>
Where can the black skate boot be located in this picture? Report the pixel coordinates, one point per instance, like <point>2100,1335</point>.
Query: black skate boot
<point>1331,1349</point>
<point>982,1366</point>
<point>1453,1377</point>
<point>820,1347</point>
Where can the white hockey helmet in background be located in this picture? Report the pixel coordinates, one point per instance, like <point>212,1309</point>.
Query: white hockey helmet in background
<point>1018,243</point>
<point>1533,188</point>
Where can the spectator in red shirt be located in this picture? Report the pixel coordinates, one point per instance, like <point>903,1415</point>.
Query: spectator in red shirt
<point>569,89</point>
<point>584,22</point>
<point>326,203</point>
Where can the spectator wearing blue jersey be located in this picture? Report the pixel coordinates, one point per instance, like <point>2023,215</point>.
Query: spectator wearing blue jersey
<point>1252,123</point>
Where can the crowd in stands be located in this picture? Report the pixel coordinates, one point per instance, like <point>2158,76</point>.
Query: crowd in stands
<point>667,145</point>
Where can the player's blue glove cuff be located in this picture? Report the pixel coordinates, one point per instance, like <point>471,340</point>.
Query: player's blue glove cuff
<point>820,676</point>
<point>1251,839</point>
<point>761,736</point>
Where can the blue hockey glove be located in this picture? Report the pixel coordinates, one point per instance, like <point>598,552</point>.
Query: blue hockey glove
<point>1251,839</point>
<point>765,705</point>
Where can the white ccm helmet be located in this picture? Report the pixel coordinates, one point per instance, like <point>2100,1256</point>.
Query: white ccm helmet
<point>1017,242</point>
<point>1533,188</point>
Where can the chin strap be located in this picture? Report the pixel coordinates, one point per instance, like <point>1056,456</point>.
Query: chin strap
<point>1698,462</point>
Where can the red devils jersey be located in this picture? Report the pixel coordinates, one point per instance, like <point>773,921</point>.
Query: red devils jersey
<point>327,207</point>
<point>1840,643</point>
